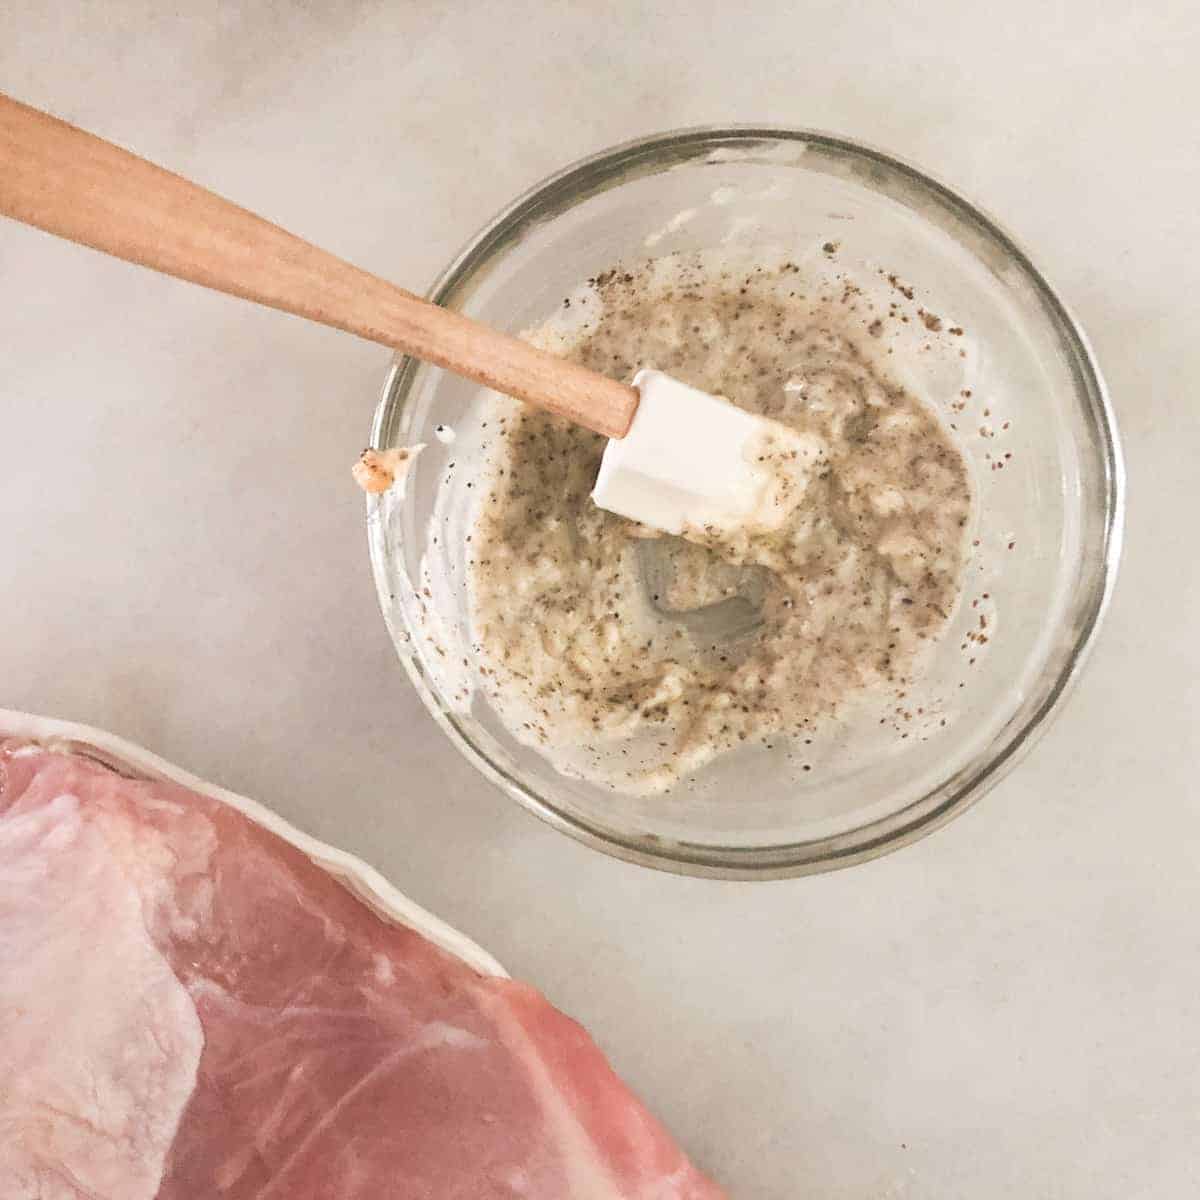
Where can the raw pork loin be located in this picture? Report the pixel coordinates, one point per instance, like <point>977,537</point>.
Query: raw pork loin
<point>191,1009</point>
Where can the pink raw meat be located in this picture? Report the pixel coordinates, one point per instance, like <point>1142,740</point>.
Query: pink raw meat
<point>191,1009</point>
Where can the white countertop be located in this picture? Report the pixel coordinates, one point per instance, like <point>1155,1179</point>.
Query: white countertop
<point>1010,1008</point>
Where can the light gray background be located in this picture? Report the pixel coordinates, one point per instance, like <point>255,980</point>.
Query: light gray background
<point>1010,1008</point>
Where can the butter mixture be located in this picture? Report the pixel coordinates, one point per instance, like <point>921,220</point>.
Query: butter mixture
<point>634,658</point>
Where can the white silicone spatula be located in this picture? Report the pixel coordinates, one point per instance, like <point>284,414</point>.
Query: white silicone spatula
<point>677,458</point>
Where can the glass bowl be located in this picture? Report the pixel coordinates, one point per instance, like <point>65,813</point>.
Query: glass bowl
<point>1048,532</point>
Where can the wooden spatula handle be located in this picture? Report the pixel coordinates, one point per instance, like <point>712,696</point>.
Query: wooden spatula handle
<point>76,185</point>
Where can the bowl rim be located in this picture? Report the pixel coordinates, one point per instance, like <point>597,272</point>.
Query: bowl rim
<point>609,168</point>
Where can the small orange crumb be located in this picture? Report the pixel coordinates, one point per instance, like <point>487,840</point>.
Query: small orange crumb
<point>376,470</point>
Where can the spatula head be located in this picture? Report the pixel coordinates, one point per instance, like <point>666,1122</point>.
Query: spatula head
<point>695,462</point>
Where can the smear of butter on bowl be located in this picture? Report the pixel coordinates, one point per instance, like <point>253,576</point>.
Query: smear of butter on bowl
<point>676,223</point>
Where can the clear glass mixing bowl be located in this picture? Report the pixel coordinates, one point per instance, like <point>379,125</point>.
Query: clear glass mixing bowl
<point>1048,536</point>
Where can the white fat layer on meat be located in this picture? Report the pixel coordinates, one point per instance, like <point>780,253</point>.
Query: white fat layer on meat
<point>102,1056</point>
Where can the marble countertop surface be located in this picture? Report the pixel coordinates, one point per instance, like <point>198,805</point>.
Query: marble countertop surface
<point>1010,1008</point>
